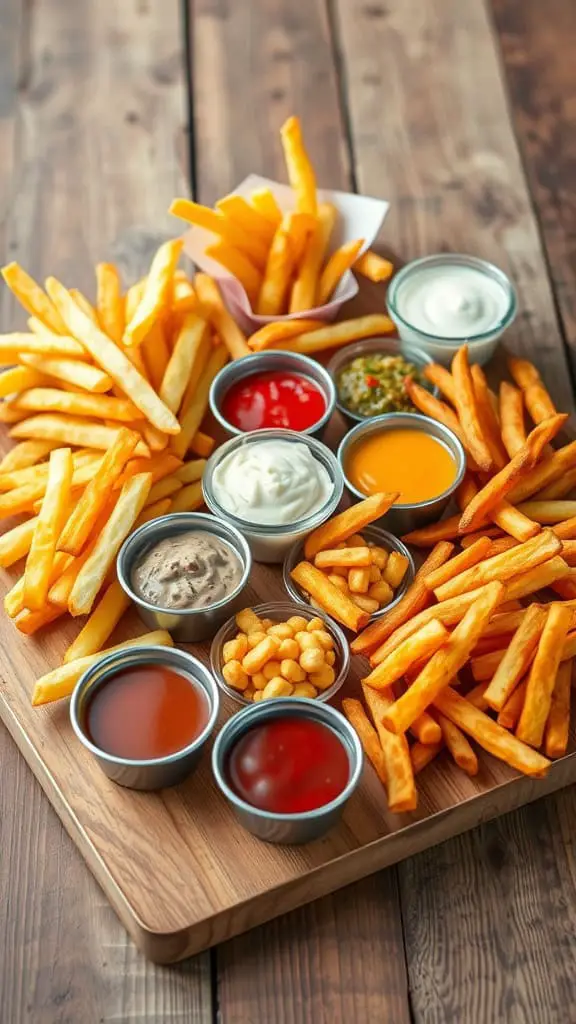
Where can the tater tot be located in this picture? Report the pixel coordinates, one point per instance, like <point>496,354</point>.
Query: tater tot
<point>292,671</point>
<point>255,638</point>
<point>248,621</point>
<point>277,687</point>
<point>258,680</point>
<point>359,580</point>
<point>323,679</point>
<point>256,658</point>
<point>304,690</point>
<point>282,630</point>
<point>379,556</point>
<point>266,623</point>
<point>312,660</point>
<point>235,675</point>
<point>324,639</point>
<point>271,669</point>
<point>375,574</point>
<point>249,693</point>
<point>258,695</point>
<point>234,650</point>
<point>297,623</point>
<point>315,624</point>
<point>288,649</point>
<point>367,604</point>
<point>306,640</point>
<point>329,658</point>
<point>381,592</point>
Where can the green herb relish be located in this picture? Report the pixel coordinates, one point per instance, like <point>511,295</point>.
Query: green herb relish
<point>374,384</point>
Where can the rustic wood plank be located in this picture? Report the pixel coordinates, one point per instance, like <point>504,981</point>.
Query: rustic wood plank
<point>431,132</point>
<point>253,65</point>
<point>92,148</point>
<point>538,45</point>
<point>489,920</point>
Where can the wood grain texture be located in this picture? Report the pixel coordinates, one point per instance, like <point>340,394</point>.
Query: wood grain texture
<point>91,151</point>
<point>489,920</point>
<point>431,131</point>
<point>538,45</point>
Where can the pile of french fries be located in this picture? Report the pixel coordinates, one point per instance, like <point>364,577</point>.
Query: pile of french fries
<point>471,651</point>
<point>281,259</point>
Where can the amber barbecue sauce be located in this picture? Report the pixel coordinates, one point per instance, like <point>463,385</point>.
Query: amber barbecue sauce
<point>146,712</point>
<point>288,765</point>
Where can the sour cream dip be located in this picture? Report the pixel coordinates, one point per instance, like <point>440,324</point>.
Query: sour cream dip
<point>271,482</point>
<point>439,302</point>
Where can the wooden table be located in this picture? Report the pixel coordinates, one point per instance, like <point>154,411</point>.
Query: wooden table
<point>461,112</point>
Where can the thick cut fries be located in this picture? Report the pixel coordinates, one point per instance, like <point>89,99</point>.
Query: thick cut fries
<point>487,418</point>
<point>471,556</point>
<point>345,524</point>
<point>155,294</point>
<point>192,416</point>
<point>502,567</point>
<point>538,402</point>
<point>186,353</point>
<point>442,379</point>
<point>58,427</point>
<point>489,735</point>
<point>100,625</point>
<point>421,644</point>
<point>239,265</point>
<point>549,512</point>
<point>517,657</point>
<point>558,488</point>
<point>542,674</point>
<point>109,301</point>
<point>31,296</point>
<point>467,408</point>
<point>81,522</point>
<point>112,359</point>
<point>551,468</point>
<point>421,754</point>
<point>61,681</point>
<point>100,406</point>
<point>300,171</point>
<point>213,307</point>
<point>349,557</point>
<point>337,335</point>
<point>415,599</point>
<point>438,410</point>
<point>444,665</point>
<point>512,428</point>
<point>367,735</point>
<point>503,482</point>
<point>373,266</point>
<point>280,330</point>
<point>71,371</point>
<point>510,713</point>
<point>332,600</point>
<point>339,262</point>
<point>305,287</point>
<point>558,724</point>
<point>400,785</point>
<point>458,745</point>
<point>93,573</point>
<point>48,525</point>
<point>271,299</point>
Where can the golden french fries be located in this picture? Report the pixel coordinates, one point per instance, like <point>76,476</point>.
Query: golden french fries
<point>340,261</point>
<point>511,407</point>
<point>540,684</point>
<point>306,284</point>
<point>538,402</point>
<point>458,745</point>
<point>300,171</point>
<point>100,625</point>
<point>558,722</point>
<point>373,266</point>
<point>421,644</point>
<point>275,285</point>
<point>517,657</point>
<point>367,735</point>
<point>467,409</point>
<point>400,786</point>
<point>47,530</point>
<point>351,521</point>
<point>502,567</point>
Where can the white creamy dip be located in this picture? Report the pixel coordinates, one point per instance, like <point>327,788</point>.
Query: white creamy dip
<point>451,301</point>
<point>275,483</point>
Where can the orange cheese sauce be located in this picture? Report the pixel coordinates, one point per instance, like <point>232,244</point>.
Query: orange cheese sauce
<point>405,460</point>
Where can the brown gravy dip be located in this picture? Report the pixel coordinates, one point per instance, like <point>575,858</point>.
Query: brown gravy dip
<point>190,570</point>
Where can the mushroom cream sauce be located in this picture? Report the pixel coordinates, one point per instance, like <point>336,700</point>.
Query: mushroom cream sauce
<point>194,569</point>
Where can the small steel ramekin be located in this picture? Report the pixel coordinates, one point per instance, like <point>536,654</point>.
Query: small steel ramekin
<point>280,611</point>
<point>270,543</point>
<point>286,828</point>
<point>371,533</point>
<point>400,518</point>
<point>156,773</point>
<point>187,625</point>
<point>264,362</point>
<point>375,346</point>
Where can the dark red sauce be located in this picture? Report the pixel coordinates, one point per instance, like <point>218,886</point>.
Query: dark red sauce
<point>288,765</point>
<point>146,712</point>
<point>274,399</point>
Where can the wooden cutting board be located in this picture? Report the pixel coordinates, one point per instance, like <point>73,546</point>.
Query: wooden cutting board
<point>180,871</point>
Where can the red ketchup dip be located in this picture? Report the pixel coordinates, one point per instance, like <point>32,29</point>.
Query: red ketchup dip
<point>288,765</point>
<point>274,399</point>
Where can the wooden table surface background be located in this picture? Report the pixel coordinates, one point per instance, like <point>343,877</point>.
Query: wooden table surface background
<point>461,113</point>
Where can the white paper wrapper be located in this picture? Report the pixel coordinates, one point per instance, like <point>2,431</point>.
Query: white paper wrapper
<point>359,217</point>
